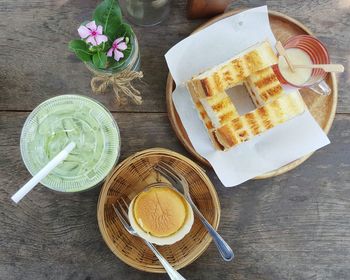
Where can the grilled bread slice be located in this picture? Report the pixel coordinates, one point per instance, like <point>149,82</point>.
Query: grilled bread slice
<point>264,118</point>
<point>209,125</point>
<point>263,86</point>
<point>233,71</point>
<point>204,116</point>
<point>219,109</point>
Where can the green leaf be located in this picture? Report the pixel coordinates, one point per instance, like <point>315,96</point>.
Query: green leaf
<point>106,46</point>
<point>81,49</point>
<point>109,15</point>
<point>124,30</point>
<point>99,59</point>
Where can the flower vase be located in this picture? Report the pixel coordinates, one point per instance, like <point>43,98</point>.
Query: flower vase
<point>119,78</point>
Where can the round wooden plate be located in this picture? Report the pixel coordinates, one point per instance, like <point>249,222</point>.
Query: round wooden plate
<point>132,176</point>
<point>321,107</point>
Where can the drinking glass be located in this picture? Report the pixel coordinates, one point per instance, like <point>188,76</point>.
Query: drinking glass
<point>145,12</point>
<point>71,118</point>
<point>318,54</point>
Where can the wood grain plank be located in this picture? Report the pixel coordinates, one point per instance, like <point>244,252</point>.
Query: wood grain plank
<point>295,226</point>
<point>37,64</point>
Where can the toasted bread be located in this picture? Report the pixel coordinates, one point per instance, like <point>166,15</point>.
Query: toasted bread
<point>253,68</point>
<point>233,72</point>
<point>263,86</point>
<point>204,116</point>
<point>219,109</point>
<point>264,118</point>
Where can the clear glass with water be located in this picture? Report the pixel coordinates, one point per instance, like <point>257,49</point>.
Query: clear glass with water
<point>145,12</point>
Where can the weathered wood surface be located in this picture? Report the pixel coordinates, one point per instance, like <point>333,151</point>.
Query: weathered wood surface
<point>295,226</point>
<point>37,64</point>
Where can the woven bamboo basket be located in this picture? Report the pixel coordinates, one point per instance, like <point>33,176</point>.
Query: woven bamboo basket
<point>131,177</point>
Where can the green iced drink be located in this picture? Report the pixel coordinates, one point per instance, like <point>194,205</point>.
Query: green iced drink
<point>64,119</point>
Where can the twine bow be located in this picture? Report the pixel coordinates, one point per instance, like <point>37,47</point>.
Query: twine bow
<point>121,84</point>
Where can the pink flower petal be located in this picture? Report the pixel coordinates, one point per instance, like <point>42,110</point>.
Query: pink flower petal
<point>110,52</point>
<point>118,55</point>
<point>91,25</point>
<point>116,41</point>
<point>101,38</point>
<point>84,32</point>
<point>91,40</point>
<point>122,46</point>
<point>99,30</point>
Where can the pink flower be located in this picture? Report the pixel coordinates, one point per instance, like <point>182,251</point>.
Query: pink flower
<point>118,46</point>
<point>93,33</point>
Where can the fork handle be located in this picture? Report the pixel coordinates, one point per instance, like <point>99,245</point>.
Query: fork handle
<point>173,274</point>
<point>224,249</point>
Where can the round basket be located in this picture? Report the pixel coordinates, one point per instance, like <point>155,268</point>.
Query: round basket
<point>131,177</point>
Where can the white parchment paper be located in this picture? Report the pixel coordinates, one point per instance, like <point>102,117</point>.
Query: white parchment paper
<point>266,152</point>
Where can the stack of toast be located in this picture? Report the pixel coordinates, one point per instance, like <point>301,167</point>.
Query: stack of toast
<point>251,68</point>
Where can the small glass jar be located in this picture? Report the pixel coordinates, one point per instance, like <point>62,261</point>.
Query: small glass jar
<point>133,62</point>
<point>145,12</point>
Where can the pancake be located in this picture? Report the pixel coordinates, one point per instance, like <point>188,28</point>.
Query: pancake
<point>160,211</point>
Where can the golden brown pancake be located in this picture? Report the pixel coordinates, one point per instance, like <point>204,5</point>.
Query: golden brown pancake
<point>160,211</point>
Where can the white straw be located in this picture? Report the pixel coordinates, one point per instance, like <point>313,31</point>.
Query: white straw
<point>43,173</point>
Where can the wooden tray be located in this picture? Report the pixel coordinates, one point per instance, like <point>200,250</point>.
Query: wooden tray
<point>131,177</point>
<point>322,108</point>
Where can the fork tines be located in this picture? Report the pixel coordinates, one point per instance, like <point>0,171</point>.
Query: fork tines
<point>167,171</point>
<point>122,212</point>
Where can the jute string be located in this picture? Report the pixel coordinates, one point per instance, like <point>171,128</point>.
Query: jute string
<point>121,83</point>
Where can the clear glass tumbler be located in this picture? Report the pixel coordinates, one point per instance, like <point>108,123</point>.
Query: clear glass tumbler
<point>145,12</point>
<point>71,118</point>
<point>318,55</point>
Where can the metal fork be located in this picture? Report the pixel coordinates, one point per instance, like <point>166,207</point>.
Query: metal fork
<point>180,183</point>
<point>122,214</point>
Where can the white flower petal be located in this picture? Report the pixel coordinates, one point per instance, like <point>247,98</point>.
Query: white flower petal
<point>84,32</point>
<point>91,25</point>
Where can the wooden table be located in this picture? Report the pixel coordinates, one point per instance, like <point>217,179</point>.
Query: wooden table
<point>295,226</point>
